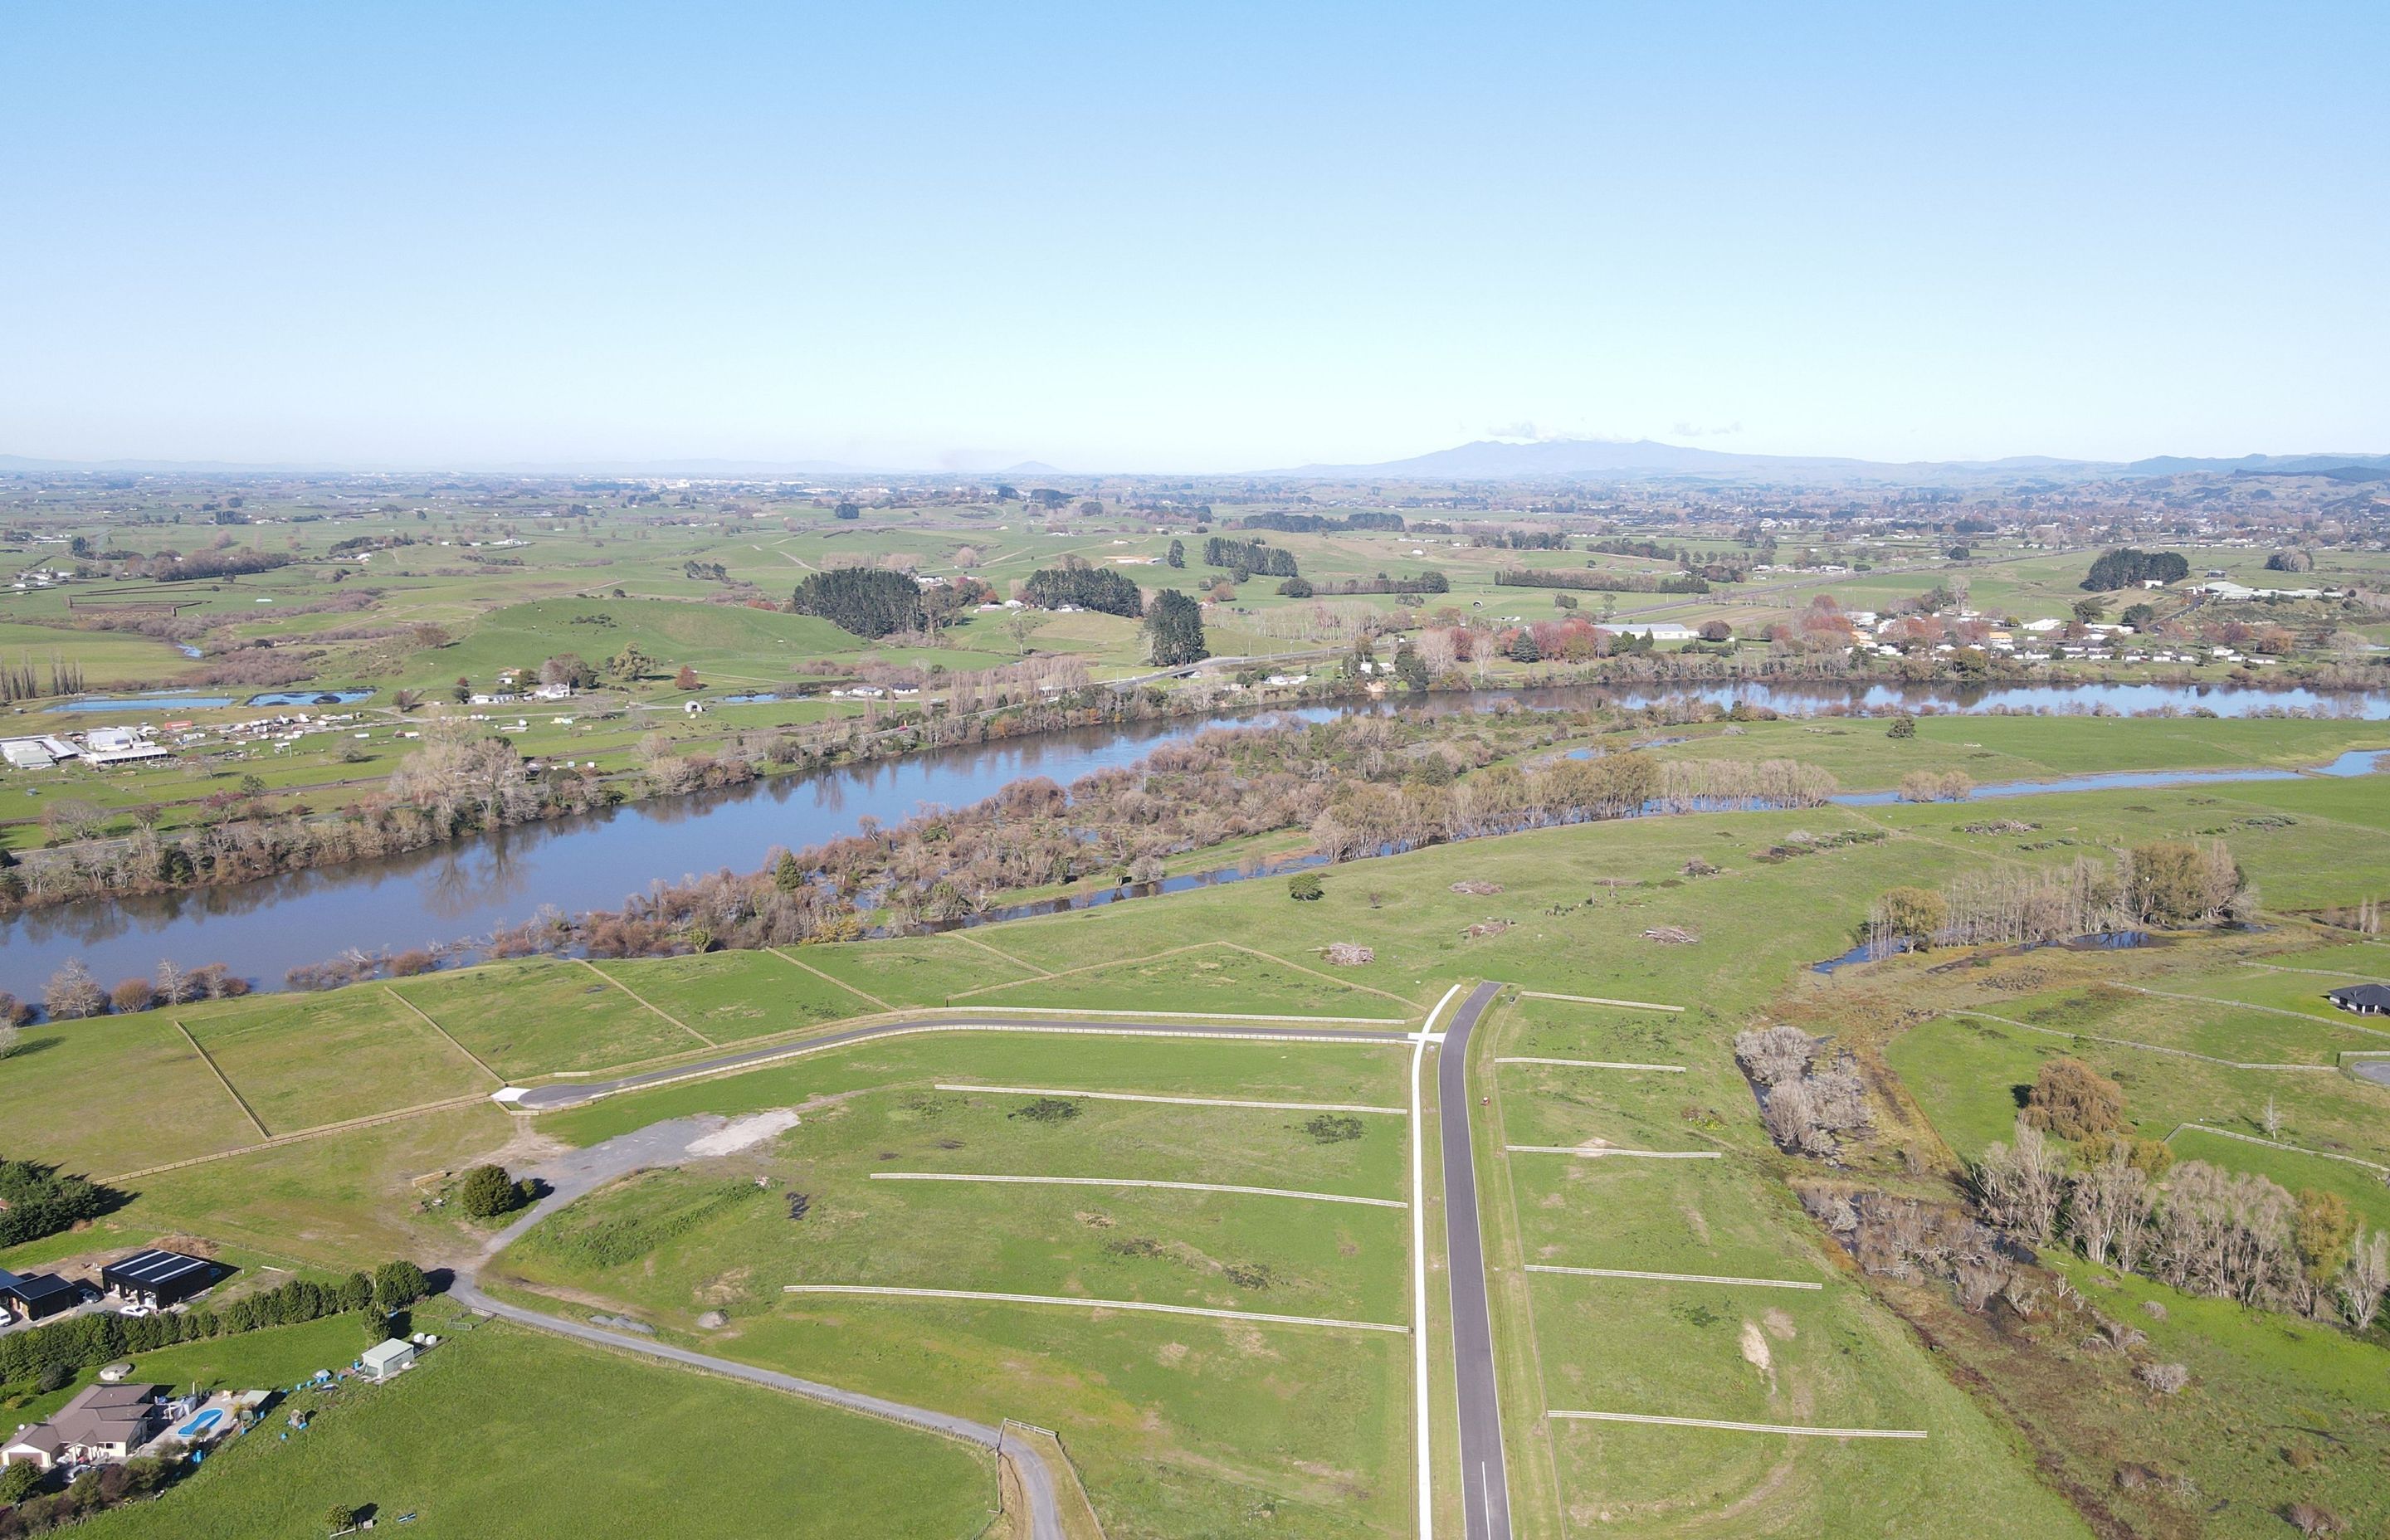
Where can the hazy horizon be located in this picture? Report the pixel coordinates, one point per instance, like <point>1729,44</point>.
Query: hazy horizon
<point>1236,240</point>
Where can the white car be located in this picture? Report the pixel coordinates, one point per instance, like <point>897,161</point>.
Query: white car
<point>136,1310</point>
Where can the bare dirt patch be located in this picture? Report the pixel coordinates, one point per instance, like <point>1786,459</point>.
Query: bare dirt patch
<point>1755,1354</point>
<point>744,1133</point>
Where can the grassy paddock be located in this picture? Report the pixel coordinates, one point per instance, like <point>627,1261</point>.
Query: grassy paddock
<point>504,1432</point>
<point>738,994</point>
<point>544,1015</point>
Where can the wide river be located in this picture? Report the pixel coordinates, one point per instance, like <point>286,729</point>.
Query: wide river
<point>469,888</point>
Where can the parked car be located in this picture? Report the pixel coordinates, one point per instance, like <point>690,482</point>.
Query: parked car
<point>134,1310</point>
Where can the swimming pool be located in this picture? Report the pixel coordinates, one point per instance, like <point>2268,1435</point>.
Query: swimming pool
<point>200,1424</point>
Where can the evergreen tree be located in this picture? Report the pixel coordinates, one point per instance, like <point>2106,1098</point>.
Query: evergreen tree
<point>865,601</point>
<point>1108,591</point>
<point>1176,630</point>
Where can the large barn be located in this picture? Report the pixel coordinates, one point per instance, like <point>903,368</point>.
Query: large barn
<point>158,1278</point>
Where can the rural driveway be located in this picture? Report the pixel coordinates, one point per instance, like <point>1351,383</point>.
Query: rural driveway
<point>578,1172</point>
<point>1484,1492</point>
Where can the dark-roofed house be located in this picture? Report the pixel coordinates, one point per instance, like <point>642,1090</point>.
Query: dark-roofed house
<point>102,1423</point>
<point>158,1278</point>
<point>2364,999</point>
<point>36,1294</point>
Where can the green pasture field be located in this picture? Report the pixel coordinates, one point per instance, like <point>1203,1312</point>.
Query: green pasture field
<point>1177,1426</point>
<point>2276,989</point>
<point>113,1093</point>
<point>2294,845</point>
<point>542,1015</point>
<point>725,644</point>
<point>1831,1360</point>
<point>738,994</point>
<point>301,1060</point>
<point>1371,1074</point>
<point>1994,748</point>
<point>505,1433</point>
<point>340,1200</point>
<point>1214,1250</point>
<point>1207,979</point>
<point>915,971</point>
<point>108,658</point>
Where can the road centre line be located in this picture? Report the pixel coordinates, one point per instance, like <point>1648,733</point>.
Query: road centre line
<point>1419,1376</point>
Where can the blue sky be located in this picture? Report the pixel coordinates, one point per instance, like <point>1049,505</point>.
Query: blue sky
<point>1198,239</point>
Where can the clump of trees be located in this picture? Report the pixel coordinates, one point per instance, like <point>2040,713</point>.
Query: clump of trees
<point>2168,883</point>
<point>1174,630</point>
<point>1256,557</point>
<point>1937,786</point>
<point>1320,523</point>
<point>867,601</point>
<point>1808,1107</point>
<point>1088,587</point>
<point>37,1200</point>
<point>2130,568</point>
<point>25,1510</point>
<point>2198,1227</point>
<point>1601,581</point>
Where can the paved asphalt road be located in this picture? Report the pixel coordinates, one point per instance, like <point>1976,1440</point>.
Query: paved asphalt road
<point>1484,1493</point>
<point>581,1171</point>
<point>546,1098</point>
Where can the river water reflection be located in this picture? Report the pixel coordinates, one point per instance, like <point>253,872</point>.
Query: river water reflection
<point>470,888</point>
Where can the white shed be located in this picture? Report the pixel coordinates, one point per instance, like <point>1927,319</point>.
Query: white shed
<point>384,1359</point>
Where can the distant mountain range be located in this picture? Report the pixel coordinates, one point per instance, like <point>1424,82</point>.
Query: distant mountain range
<point>1486,460</point>
<point>1603,459</point>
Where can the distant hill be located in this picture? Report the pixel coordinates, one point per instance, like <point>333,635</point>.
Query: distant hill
<point>1598,460</point>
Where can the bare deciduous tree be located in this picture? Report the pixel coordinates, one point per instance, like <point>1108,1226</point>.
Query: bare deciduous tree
<point>2020,1183</point>
<point>2363,1278</point>
<point>1770,1055</point>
